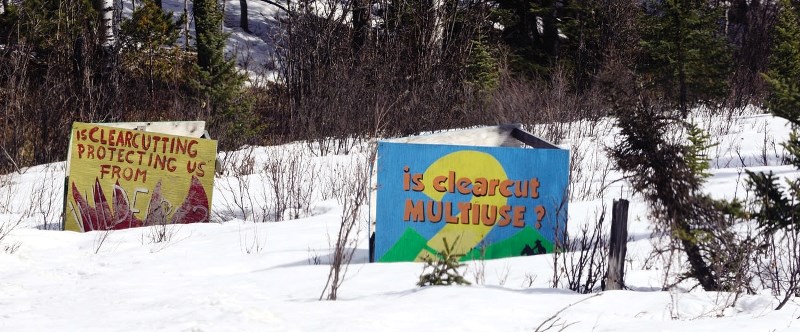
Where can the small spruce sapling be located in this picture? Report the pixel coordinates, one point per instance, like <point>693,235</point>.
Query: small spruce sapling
<point>696,157</point>
<point>445,267</point>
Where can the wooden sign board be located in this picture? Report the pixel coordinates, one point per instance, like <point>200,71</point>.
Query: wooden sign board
<point>490,202</point>
<point>120,178</point>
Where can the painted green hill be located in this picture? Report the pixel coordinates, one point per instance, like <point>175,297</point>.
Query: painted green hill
<point>406,249</point>
<point>528,241</point>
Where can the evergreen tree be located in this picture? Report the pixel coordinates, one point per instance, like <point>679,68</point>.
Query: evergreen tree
<point>444,268</point>
<point>696,157</point>
<point>585,27</point>
<point>543,34</point>
<point>669,175</point>
<point>531,31</point>
<point>8,20</point>
<point>482,69</point>
<point>218,83</point>
<point>149,28</point>
<point>783,76</point>
<point>685,56</point>
<point>143,38</point>
<point>779,209</point>
<point>209,35</point>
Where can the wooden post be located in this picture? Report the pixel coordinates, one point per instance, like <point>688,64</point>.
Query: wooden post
<point>617,246</point>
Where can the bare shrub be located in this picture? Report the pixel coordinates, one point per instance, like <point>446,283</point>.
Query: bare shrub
<point>280,187</point>
<point>529,279</point>
<point>589,171</point>
<point>502,275</point>
<point>161,232</point>
<point>314,257</point>
<point>100,239</point>
<point>579,262</point>
<point>354,195</point>
<point>730,246</point>
<point>666,258</point>
<point>333,182</point>
<point>407,72</point>
<point>237,166</point>
<point>778,264</point>
<point>9,218</point>
<point>6,226</point>
<point>252,244</point>
<point>45,203</point>
<point>7,192</point>
<point>555,321</point>
<point>478,268</point>
<point>273,171</point>
<point>293,180</point>
<point>558,109</point>
<point>12,247</point>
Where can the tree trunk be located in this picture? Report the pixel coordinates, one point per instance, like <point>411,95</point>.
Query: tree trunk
<point>361,11</point>
<point>617,246</point>
<point>682,89</point>
<point>700,269</point>
<point>450,12</point>
<point>106,32</point>
<point>550,35</point>
<point>243,22</point>
<point>186,25</point>
<point>441,17</point>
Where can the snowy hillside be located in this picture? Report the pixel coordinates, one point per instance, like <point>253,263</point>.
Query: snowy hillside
<point>241,275</point>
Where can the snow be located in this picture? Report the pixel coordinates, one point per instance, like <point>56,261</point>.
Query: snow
<point>253,51</point>
<point>241,275</point>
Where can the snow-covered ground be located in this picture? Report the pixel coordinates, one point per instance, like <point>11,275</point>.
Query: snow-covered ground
<point>240,275</point>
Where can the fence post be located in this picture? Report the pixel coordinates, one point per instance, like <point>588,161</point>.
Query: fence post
<point>617,246</point>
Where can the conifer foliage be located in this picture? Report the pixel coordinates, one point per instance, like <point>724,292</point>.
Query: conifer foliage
<point>218,85</point>
<point>210,38</point>
<point>143,40</point>
<point>669,174</point>
<point>218,79</point>
<point>444,268</point>
<point>783,76</point>
<point>780,209</point>
<point>686,57</point>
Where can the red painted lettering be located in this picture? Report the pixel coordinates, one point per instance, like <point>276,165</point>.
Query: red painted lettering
<point>192,150</point>
<point>171,164</point>
<point>519,216</point>
<point>464,208</point>
<point>431,211</point>
<point>414,211</point>
<point>91,134</point>
<point>104,169</point>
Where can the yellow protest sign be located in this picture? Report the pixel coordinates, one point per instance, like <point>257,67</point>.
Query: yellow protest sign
<point>120,178</point>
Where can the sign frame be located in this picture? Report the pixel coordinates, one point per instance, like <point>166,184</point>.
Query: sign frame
<point>120,177</point>
<point>419,201</point>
